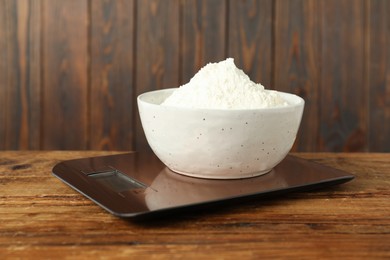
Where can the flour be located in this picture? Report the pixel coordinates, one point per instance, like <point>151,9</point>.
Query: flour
<point>223,86</point>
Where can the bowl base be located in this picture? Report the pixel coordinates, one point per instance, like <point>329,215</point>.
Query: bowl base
<point>221,177</point>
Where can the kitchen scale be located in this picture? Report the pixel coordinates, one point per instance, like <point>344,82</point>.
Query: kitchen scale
<point>139,185</point>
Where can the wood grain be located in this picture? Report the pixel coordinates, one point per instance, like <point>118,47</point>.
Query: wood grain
<point>203,37</point>
<point>65,77</point>
<point>378,79</point>
<point>157,52</point>
<point>70,71</point>
<point>343,93</point>
<point>20,80</point>
<point>297,57</point>
<point>112,75</point>
<point>250,38</point>
<point>3,69</point>
<point>43,218</point>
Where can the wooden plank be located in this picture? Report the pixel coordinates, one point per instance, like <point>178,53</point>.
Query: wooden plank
<point>296,61</point>
<point>157,55</point>
<point>43,218</point>
<point>20,74</point>
<point>379,75</point>
<point>3,71</point>
<point>343,95</point>
<point>65,74</point>
<point>250,38</point>
<point>112,36</point>
<point>203,35</point>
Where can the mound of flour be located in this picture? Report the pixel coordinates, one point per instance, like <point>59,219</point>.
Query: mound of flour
<point>223,86</point>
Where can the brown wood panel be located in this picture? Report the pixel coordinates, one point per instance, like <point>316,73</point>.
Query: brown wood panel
<point>111,96</point>
<point>250,38</point>
<point>203,37</point>
<point>343,94</point>
<point>20,74</point>
<point>3,71</point>
<point>70,70</point>
<point>379,74</point>
<point>157,51</point>
<point>65,77</point>
<point>296,60</point>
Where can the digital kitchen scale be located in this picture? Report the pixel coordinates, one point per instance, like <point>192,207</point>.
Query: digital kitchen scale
<point>133,184</point>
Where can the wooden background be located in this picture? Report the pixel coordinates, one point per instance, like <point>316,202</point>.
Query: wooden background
<point>70,71</point>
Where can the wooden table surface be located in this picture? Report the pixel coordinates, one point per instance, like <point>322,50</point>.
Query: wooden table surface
<point>40,217</point>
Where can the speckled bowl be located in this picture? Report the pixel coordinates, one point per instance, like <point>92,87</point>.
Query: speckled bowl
<point>219,143</point>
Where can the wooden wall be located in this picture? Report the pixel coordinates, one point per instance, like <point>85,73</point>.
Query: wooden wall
<point>70,71</point>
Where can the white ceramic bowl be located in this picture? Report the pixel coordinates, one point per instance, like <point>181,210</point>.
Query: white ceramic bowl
<point>219,143</point>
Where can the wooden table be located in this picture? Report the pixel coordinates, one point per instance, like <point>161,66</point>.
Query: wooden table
<point>40,217</point>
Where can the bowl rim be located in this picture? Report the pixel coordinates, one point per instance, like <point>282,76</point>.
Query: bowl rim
<point>300,103</point>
